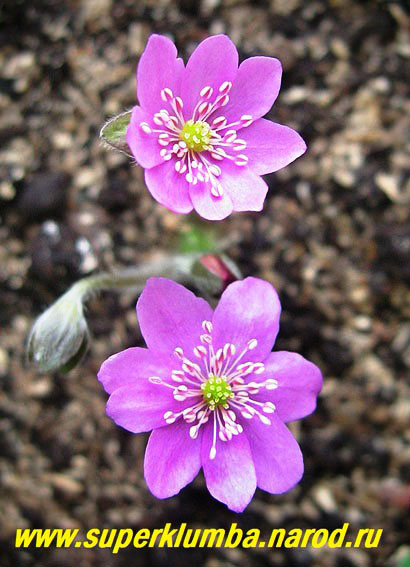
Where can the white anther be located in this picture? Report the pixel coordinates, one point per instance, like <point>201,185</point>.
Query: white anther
<point>179,103</point>
<point>225,87</point>
<point>163,142</point>
<point>177,378</point>
<point>269,407</point>
<point>158,120</point>
<point>241,160</point>
<point>271,384</point>
<point>166,95</point>
<point>206,92</point>
<point>215,170</point>
<point>145,128</point>
<point>203,107</point>
<point>217,156</point>
<point>265,420</point>
<point>230,136</point>
<point>193,432</point>
<point>189,177</point>
<point>216,190</point>
<point>246,120</point>
<point>179,397</point>
<point>219,356</point>
<point>246,415</point>
<point>177,166</point>
<point>212,453</point>
<point>239,145</point>
<point>179,352</point>
<point>258,368</point>
<point>173,120</point>
<point>229,349</point>
<point>253,343</point>
<point>220,151</point>
<point>155,380</point>
<point>224,101</point>
<point>190,368</point>
<point>207,326</point>
<point>206,339</point>
<point>232,415</point>
<point>182,144</point>
<point>200,351</point>
<point>220,121</point>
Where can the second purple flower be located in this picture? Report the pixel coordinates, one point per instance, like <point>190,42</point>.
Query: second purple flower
<point>212,391</point>
<point>198,130</point>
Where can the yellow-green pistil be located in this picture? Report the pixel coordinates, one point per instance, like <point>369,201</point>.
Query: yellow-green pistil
<point>196,135</point>
<point>217,391</point>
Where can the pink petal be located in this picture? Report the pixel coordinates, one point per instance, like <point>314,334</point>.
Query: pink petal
<point>299,383</point>
<point>170,316</point>
<point>254,90</point>
<point>169,187</point>
<point>270,146</point>
<point>248,309</point>
<point>230,476</point>
<point>246,189</point>
<point>208,206</point>
<point>141,407</point>
<point>172,459</point>
<point>276,455</point>
<point>213,62</point>
<point>134,365</point>
<point>158,68</point>
<point>144,147</point>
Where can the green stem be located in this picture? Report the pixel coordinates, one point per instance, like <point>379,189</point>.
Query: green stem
<point>177,267</point>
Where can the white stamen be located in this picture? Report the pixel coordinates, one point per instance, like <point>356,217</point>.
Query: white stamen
<point>145,128</point>
<point>179,103</point>
<point>246,120</point>
<point>241,160</point>
<point>206,92</point>
<point>166,95</point>
<point>225,87</point>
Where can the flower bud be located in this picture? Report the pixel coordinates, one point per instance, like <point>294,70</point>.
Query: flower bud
<point>114,131</point>
<point>59,337</point>
<point>214,272</point>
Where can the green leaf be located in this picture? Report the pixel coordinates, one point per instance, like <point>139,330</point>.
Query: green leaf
<point>113,132</point>
<point>196,238</point>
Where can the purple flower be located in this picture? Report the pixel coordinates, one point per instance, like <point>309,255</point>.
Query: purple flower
<point>198,131</point>
<point>212,391</point>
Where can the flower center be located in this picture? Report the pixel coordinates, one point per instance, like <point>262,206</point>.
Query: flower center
<point>196,135</point>
<point>217,391</point>
<point>196,145</point>
<point>218,387</point>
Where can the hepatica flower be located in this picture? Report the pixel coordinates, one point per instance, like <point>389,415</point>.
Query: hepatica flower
<point>212,391</point>
<point>198,131</point>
